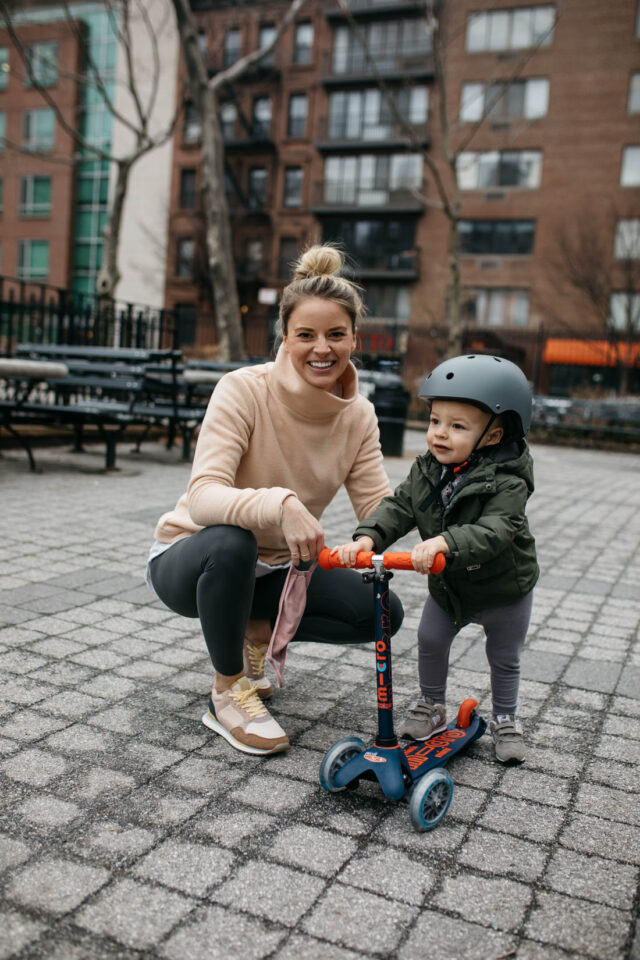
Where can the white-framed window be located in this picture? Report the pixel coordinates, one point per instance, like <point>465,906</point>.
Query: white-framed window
<point>630,172</point>
<point>627,241</point>
<point>261,116</point>
<point>43,61</point>
<point>38,129</point>
<point>503,100</point>
<point>228,116</point>
<point>192,125</point>
<point>497,307</point>
<point>303,42</point>
<point>624,311</point>
<point>266,34</point>
<point>497,30</point>
<point>232,43</point>
<point>33,259</point>
<point>293,179</point>
<point>365,114</point>
<point>35,196</point>
<point>372,179</point>
<point>634,93</point>
<point>392,45</point>
<point>257,188</point>
<point>388,301</point>
<point>185,257</point>
<point>499,168</point>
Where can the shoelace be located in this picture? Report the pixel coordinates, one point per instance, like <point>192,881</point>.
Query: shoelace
<point>256,657</point>
<point>249,701</point>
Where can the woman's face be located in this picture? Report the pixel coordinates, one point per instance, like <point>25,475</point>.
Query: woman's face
<point>319,341</point>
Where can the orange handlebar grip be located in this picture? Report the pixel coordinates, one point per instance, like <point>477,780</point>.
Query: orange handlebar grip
<point>392,561</point>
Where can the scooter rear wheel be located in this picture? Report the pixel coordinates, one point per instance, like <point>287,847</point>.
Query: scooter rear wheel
<point>335,758</point>
<point>430,799</point>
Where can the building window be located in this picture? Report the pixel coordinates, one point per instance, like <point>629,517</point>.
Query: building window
<point>4,68</point>
<point>266,34</point>
<point>498,237</point>
<point>365,114</point>
<point>187,188</point>
<point>287,257</point>
<point>253,257</point>
<point>38,130</point>
<point>186,319</point>
<point>630,174</point>
<point>390,44</point>
<point>43,63</point>
<point>375,244</point>
<point>257,188</point>
<point>185,258</point>
<point>372,179</point>
<point>192,126</point>
<point>507,168</point>
<point>303,43</point>
<point>293,187</point>
<point>627,242</point>
<point>297,115</point>
<point>505,101</point>
<point>493,307</point>
<point>231,47</point>
<point>510,29</point>
<point>634,93</point>
<point>33,259</point>
<point>202,41</point>
<point>228,116</point>
<point>388,301</point>
<point>3,128</point>
<point>1,195</point>
<point>624,311</point>
<point>35,196</point>
<point>261,117</point>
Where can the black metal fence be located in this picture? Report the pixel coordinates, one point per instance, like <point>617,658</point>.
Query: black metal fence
<point>39,313</point>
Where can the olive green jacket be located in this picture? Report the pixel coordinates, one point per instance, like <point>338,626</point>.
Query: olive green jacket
<point>492,560</point>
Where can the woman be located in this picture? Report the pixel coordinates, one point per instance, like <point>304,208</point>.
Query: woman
<point>277,442</point>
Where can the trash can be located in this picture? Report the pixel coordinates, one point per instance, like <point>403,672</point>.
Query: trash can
<point>391,400</point>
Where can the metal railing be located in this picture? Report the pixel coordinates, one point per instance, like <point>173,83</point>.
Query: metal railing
<point>342,126</point>
<point>351,193</point>
<point>416,60</point>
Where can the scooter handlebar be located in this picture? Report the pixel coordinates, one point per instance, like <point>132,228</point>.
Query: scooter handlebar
<point>392,561</point>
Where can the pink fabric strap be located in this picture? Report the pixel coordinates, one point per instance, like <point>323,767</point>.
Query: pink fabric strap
<point>293,600</point>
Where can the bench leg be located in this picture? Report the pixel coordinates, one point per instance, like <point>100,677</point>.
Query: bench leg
<point>24,443</point>
<point>142,439</point>
<point>187,436</point>
<point>77,439</point>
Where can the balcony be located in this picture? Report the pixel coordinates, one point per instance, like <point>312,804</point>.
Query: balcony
<point>362,9</point>
<point>341,196</point>
<point>345,132</point>
<point>358,65</point>
<point>265,70</point>
<point>258,136</point>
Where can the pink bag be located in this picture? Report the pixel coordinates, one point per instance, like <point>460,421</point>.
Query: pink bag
<point>293,600</point>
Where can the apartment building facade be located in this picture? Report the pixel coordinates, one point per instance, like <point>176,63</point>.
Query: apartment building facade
<point>334,136</point>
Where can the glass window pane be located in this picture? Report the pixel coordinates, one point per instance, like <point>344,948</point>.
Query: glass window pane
<point>341,43</point>
<point>495,100</point>
<point>520,316</point>
<point>536,99</point>
<point>543,22</point>
<point>3,127</point>
<point>627,242</point>
<point>4,68</point>
<point>521,29</point>
<point>477,32</point>
<point>472,101</point>
<point>488,169</point>
<point>634,93</point>
<point>467,169</point>
<point>514,105</point>
<point>630,176</point>
<point>498,30</point>
<point>418,105</point>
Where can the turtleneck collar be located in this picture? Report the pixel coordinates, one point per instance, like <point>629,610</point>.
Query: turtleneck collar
<point>304,399</point>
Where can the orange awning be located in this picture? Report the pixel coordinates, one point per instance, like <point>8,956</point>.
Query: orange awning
<point>591,353</point>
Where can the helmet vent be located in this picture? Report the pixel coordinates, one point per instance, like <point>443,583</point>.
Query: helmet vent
<point>497,359</point>
<point>450,376</point>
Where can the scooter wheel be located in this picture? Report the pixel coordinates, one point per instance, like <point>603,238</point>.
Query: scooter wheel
<point>335,758</point>
<point>430,799</point>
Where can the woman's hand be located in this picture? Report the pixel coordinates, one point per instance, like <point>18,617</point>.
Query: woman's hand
<point>348,552</point>
<point>301,530</point>
<point>423,554</point>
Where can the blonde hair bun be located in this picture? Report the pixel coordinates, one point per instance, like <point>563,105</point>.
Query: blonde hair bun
<point>321,260</point>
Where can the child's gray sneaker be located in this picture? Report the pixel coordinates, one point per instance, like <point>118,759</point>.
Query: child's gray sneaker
<point>507,738</point>
<point>425,718</point>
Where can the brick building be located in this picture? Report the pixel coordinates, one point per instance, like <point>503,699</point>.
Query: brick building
<point>542,104</point>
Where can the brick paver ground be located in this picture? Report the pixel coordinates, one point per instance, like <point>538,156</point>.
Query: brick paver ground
<point>128,830</point>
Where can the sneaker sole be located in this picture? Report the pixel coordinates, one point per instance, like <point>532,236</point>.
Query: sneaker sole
<point>215,725</point>
<point>409,736</point>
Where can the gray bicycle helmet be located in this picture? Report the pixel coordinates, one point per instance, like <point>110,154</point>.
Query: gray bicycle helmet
<point>494,383</point>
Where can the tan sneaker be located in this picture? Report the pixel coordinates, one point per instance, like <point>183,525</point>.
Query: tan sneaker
<point>254,658</point>
<point>239,715</point>
<point>508,738</point>
<point>425,719</point>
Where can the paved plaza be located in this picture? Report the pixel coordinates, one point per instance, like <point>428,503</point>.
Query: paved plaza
<point>130,831</point>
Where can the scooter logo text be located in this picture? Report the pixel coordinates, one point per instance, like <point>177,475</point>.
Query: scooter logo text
<point>438,746</point>
<point>382,658</point>
<point>375,758</point>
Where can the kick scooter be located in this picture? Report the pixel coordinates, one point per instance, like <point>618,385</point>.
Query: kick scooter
<point>418,768</point>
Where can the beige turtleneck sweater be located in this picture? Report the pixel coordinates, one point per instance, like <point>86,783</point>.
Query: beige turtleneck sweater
<point>266,434</point>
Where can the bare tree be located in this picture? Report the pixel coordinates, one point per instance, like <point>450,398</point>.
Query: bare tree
<point>453,139</point>
<point>205,92</point>
<point>141,81</point>
<point>596,260</point>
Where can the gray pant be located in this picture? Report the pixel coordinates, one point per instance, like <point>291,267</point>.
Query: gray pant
<point>505,628</point>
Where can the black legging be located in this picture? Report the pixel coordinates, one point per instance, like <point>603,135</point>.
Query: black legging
<point>211,575</point>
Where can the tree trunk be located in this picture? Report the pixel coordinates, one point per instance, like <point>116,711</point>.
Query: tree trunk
<point>109,274</point>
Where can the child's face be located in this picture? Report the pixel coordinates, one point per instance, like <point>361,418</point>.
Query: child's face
<point>454,430</point>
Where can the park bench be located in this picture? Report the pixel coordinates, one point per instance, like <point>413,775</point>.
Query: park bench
<point>108,388</point>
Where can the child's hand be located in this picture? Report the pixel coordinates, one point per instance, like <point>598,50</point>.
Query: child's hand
<point>423,554</point>
<point>348,552</point>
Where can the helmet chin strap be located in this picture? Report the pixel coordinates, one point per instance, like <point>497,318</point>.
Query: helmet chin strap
<point>475,453</point>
